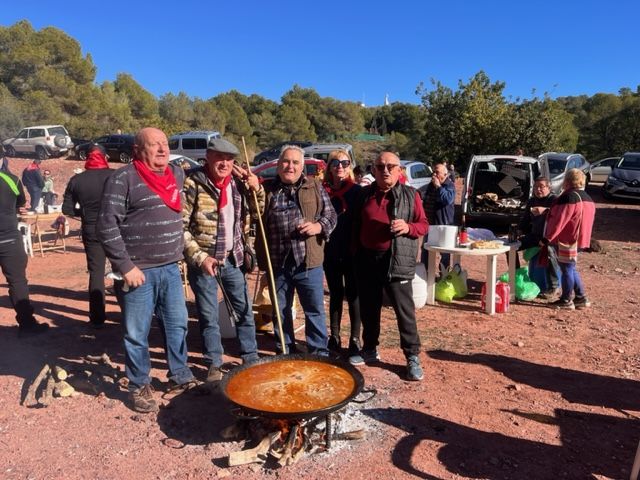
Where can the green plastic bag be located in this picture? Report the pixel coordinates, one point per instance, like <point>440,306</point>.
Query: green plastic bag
<point>526,289</point>
<point>458,278</point>
<point>445,291</point>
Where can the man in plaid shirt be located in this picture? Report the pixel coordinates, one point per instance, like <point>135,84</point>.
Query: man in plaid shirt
<point>298,219</point>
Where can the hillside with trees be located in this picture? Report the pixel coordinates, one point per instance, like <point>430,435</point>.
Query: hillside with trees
<point>45,78</point>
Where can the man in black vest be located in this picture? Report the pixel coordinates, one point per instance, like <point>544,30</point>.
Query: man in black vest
<point>388,220</point>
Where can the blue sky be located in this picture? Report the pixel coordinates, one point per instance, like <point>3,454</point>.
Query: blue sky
<point>351,50</point>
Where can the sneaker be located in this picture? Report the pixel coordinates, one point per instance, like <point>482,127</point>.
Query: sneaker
<point>414,370</point>
<point>334,344</point>
<point>550,294</point>
<point>32,328</point>
<point>142,400</point>
<point>354,347</point>
<point>370,356</point>
<point>581,302</point>
<point>563,304</point>
<point>356,359</point>
<point>214,374</point>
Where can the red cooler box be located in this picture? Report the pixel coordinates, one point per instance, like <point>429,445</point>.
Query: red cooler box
<point>503,293</point>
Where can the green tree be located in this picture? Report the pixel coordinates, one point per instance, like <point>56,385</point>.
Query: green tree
<point>176,111</point>
<point>143,105</point>
<point>11,120</point>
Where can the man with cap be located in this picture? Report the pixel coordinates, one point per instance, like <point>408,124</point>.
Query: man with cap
<point>82,198</point>
<point>215,217</point>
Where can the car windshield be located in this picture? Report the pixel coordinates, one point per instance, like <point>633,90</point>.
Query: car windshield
<point>57,131</point>
<point>556,166</point>
<point>630,162</point>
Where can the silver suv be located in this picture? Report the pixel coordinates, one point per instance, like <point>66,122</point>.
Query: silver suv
<point>192,144</point>
<point>43,140</point>
<point>321,151</point>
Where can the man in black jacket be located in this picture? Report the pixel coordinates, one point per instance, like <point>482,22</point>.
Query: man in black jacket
<point>82,198</point>
<point>13,258</point>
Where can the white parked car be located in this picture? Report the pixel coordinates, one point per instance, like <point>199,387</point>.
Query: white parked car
<point>418,174</point>
<point>42,140</point>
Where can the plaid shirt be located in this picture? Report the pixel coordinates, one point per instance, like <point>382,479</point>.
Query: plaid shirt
<point>284,215</point>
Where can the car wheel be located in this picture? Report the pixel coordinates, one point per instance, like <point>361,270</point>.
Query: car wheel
<point>82,155</point>
<point>202,161</point>
<point>41,153</point>
<point>10,151</point>
<point>125,157</point>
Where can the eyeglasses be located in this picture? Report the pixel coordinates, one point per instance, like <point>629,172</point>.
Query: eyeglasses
<point>335,163</point>
<point>390,167</point>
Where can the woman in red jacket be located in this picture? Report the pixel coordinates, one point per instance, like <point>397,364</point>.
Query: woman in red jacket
<point>568,229</point>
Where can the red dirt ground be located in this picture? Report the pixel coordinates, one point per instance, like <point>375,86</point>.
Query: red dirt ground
<point>530,394</point>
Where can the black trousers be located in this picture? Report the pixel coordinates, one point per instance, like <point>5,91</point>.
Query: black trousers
<point>372,270</point>
<point>341,281</point>
<point>95,264</point>
<point>13,261</point>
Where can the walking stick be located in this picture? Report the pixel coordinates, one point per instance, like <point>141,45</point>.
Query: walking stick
<point>263,236</point>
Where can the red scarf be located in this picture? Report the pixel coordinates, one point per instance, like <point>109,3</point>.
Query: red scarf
<point>164,185</point>
<point>222,186</point>
<point>95,160</point>
<point>339,194</point>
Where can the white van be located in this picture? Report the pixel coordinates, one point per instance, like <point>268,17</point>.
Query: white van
<point>192,144</point>
<point>321,151</point>
<point>497,188</point>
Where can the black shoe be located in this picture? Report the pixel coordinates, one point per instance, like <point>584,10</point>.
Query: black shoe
<point>32,328</point>
<point>334,344</point>
<point>563,304</point>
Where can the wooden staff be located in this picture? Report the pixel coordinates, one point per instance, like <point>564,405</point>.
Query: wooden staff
<point>272,281</point>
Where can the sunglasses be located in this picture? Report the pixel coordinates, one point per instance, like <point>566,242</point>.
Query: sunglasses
<point>336,163</point>
<point>390,167</point>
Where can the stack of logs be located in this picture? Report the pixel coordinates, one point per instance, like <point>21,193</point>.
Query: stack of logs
<point>95,374</point>
<point>284,441</point>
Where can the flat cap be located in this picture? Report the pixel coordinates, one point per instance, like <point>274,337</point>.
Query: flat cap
<point>223,146</point>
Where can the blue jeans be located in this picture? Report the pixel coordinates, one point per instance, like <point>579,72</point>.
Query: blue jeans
<point>571,281</point>
<point>205,288</point>
<point>162,294</point>
<point>309,285</point>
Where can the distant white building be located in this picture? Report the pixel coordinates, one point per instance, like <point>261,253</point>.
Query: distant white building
<point>386,99</point>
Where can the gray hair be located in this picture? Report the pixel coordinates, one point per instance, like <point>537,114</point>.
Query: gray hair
<point>290,147</point>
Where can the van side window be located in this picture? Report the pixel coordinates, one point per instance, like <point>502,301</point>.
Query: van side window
<point>173,144</point>
<point>201,143</point>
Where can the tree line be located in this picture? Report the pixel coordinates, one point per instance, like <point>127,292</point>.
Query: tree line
<point>44,78</point>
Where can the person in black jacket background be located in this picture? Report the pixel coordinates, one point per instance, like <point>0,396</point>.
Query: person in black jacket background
<point>82,198</point>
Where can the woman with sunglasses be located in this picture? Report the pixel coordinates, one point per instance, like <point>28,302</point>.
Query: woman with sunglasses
<point>338,265</point>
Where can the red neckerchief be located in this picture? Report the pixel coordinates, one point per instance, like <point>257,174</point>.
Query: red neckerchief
<point>339,194</point>
<point>164,185</point>
<point>222,186</point>
<point>95,161</point>
<point>33,166</point>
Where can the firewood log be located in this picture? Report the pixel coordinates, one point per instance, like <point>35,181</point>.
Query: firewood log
<point>63,389</point>
<point>60,373</point>
<point>30,397</point>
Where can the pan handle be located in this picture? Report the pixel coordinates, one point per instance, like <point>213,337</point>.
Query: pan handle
<point>242,415</point>
<point>372,392</point>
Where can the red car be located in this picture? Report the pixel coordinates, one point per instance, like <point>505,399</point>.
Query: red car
<point>267,171</point>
